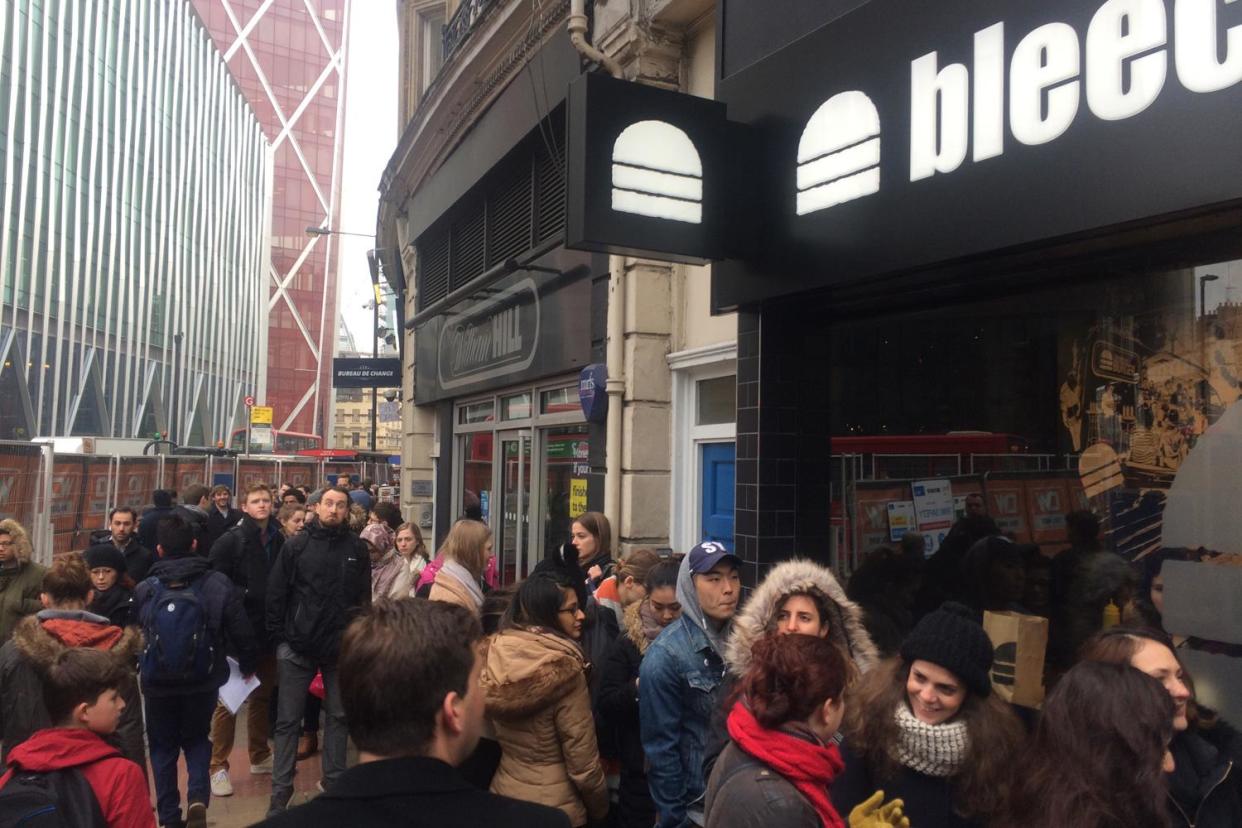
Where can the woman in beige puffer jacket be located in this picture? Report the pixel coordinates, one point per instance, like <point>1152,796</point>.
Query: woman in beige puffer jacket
<point>535,687</point>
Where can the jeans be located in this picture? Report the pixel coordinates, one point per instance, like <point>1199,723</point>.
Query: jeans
<point>176,724</point>
<point>258,721</point>
<point>295,674</point>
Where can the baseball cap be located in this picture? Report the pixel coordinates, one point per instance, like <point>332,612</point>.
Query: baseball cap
<point>709,553</point>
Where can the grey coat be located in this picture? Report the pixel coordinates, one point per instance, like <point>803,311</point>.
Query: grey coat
<point>745,793</point>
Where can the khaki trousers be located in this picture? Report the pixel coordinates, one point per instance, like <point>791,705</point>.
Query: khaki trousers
<point>258,722</point>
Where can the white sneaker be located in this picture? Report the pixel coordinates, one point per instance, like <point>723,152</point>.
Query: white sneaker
<point>264,768</point>
<point>220,784</point>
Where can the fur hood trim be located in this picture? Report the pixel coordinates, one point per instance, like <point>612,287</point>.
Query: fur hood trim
<point>41,645</point>
<point>527,670</point>
<point>633,628</point>
<point>846,626</point>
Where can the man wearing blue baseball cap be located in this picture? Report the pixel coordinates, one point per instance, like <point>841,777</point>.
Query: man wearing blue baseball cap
<point>677,682</point>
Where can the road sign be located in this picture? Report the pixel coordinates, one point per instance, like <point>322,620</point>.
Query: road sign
<point>249,401</point>
<point>261,415</point>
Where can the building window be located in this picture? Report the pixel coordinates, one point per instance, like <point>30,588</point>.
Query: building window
<point>430,44</point>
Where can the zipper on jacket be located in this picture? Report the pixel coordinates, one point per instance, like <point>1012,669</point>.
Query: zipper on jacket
<point>1192,822</point>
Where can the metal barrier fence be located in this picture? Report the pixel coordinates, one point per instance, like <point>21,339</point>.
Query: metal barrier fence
<point>61,498</point>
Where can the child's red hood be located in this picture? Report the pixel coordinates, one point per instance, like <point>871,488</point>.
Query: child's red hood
<point>60,747</point>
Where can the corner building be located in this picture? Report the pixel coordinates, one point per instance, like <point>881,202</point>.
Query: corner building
<point>133,226</point>
<point>505,317</point>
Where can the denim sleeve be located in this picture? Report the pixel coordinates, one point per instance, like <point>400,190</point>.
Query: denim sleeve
<point>660,713</point>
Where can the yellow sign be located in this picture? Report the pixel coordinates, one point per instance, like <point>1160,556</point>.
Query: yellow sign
<point>577,496</point>
<point>261,415</point>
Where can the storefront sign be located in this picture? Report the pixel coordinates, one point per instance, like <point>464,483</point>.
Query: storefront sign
<point>648,171</point>
<point>366,372</point>
<point>902,135</point>
<point>528,325</point>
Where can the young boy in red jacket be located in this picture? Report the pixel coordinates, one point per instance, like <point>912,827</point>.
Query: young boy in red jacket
<point>80,693</point>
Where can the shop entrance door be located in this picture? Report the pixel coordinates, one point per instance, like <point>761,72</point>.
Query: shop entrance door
<point>717,508</point>
<point>513,544</point>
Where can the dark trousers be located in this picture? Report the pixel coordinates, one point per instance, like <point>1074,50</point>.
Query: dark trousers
<point>176,724</point>
<point>295,672</point>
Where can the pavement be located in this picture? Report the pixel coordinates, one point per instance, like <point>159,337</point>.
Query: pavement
<point>251,794</point>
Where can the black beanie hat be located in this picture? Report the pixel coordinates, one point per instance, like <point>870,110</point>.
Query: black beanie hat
<point>105,554</point>
<point>951,638</point>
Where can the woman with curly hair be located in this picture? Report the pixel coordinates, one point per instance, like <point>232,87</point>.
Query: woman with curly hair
<point>21,579</point>
<point>928,729</point>
<point>1099,755</point>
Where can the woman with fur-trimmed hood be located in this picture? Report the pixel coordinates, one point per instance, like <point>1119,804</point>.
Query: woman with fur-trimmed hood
<point>535,688</point>
<point>798,596</point>
<point>20,577</point>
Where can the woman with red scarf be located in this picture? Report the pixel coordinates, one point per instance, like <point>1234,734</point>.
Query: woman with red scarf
<point>782,755</point>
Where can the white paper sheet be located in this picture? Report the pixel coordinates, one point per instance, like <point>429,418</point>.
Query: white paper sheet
<point>237,689</point>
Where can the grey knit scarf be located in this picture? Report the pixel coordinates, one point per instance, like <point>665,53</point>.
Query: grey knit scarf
<point>935,750</point>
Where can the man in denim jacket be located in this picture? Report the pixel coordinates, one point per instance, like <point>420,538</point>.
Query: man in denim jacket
<point>678,680</point>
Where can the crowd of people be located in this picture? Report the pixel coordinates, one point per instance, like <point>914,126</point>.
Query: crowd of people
<point>632,690</point>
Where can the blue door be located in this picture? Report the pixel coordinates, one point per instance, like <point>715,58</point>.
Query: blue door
<point>716,509</point>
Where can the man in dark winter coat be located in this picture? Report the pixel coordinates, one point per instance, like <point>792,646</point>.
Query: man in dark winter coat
<point>246,553</point>
<point>413,727</point>
<point>195,501</point>
<point>320,581</point>
<point>165,501</point>
<point>191,616</point>
<point>123,535</point>
<point>40,639</point>
<point>221,515</point>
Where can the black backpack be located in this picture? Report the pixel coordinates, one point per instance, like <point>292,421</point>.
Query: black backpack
<point>53,799</point>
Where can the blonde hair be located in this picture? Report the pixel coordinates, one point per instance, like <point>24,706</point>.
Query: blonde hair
<point>21,541</point>
<point>466,543</point>
<point>420,547</point>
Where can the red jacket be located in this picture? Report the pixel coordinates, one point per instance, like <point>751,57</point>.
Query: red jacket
<point>117,782</point>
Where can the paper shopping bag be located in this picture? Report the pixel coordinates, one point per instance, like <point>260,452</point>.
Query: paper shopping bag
<point>1020,643</point>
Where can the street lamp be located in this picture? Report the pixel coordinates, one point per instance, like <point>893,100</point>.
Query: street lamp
<point>312,230</point>
<point>1203,280</point>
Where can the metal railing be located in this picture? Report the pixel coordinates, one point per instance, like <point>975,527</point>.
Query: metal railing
<point>462,23</point>
<point>62,498</point>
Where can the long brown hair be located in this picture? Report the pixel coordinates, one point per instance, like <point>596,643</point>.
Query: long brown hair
<point>1119,645</point>
<point>981,786</point>
<point>1096,758</point>
<point>599,527</point>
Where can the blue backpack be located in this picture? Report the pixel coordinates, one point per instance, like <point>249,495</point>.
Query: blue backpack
<point>179,647</point>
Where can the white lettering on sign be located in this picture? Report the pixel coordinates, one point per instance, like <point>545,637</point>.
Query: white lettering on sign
<point>506,333</point>
<point>1120,70</point>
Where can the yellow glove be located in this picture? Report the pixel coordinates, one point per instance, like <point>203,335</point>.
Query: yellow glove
<point>875,814</point>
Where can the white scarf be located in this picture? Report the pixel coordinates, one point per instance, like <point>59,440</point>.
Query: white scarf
<point>935,750</point>
<point>467,580</point>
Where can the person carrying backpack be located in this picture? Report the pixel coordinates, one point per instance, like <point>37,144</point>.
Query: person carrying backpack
<point>190,616</point>
<point>67,776</point>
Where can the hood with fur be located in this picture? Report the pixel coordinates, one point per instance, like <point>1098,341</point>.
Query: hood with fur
<point>41,639</point>
<point>527,670</point>
<point>633,627</point>
<point>845,624</point>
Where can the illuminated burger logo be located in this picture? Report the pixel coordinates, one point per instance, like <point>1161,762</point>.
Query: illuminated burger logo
<point>839,154</point>
<point>657,172</point>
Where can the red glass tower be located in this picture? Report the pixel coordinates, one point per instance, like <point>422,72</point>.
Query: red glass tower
<point>288,57</point>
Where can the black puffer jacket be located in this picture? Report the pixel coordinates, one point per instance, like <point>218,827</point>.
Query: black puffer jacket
<point>115,604</point>
<point>320,581</point>
<point>1204,786</point>
<point>617,709</point>
<point>246,554</point>
<point>227,619</point>
<point>219,522</point>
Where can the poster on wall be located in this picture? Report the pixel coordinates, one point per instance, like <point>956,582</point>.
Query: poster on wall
<point>871,501</point>
<point>933,508</point>
<point>1140,385</point>
<point>577,496</point>
<point>900,519</point>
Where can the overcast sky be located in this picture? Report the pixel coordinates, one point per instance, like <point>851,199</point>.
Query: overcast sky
<point>370,138</point>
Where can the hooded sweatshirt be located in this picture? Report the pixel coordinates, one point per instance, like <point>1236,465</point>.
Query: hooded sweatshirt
<point>38,641</point>
<point>118,783</point>
<point>688,597</point>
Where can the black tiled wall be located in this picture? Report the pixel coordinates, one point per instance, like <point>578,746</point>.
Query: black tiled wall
<point>783,446</point>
